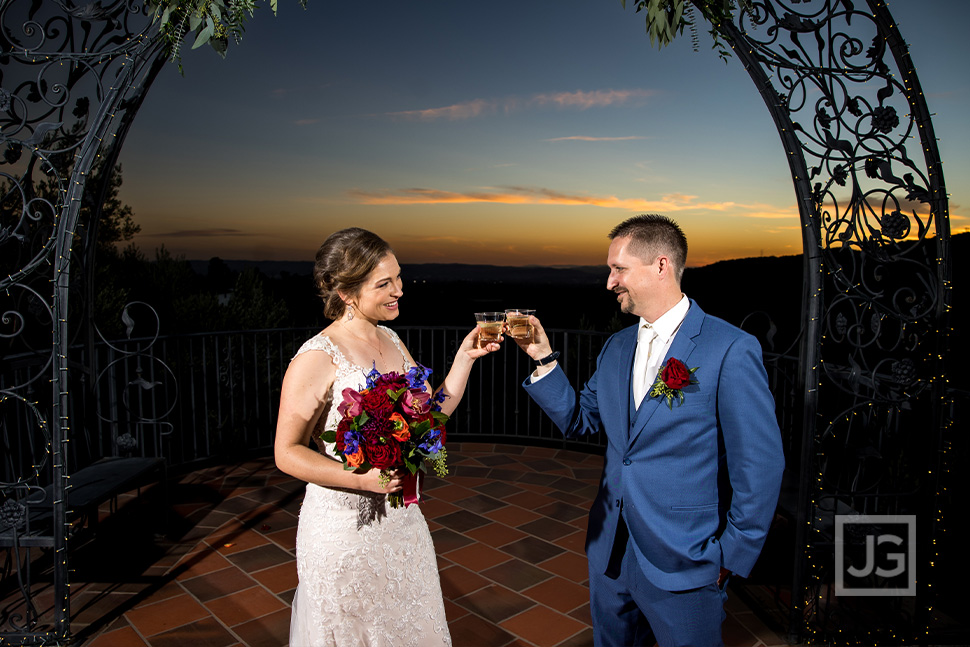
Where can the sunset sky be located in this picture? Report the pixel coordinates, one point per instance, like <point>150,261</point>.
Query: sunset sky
<point>509,132</point>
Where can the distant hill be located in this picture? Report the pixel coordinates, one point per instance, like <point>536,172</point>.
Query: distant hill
<point>565,296</point>
<point>272,269</point>
<point>751,290</point>
<point>504,274</point>
<point>435,271</point>
<point>562,274</point>
<point>451,272</point>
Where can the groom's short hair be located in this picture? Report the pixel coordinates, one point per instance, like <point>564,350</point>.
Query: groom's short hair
<point>652,235</point>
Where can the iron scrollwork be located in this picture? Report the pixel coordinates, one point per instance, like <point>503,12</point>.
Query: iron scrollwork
<point>149,388</point>
<point>21,496</point>
<point>72,75</point>
<point>842,90</point>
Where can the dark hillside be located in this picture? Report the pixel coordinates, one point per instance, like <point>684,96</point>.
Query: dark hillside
<point>748,291</point>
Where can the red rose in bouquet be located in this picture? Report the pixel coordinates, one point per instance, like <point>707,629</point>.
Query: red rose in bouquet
<point>375,401</point>
<point>383,456</point>
<point>394,423</point>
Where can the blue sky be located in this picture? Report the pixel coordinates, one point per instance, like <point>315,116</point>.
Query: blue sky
<point>508,132</point>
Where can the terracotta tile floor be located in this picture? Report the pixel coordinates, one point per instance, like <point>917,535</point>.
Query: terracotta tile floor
<point>508,525</point>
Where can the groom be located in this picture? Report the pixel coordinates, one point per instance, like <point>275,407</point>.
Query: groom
<point>693,460</point>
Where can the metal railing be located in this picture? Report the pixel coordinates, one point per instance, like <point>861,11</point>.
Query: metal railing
<point>200,397</point>
<point>215,396</point>
<point>209,397</point>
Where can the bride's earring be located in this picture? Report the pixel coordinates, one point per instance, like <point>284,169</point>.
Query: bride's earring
<point>350,312</point>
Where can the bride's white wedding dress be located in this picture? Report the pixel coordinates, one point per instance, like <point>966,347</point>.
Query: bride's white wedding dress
<point>368,572</point>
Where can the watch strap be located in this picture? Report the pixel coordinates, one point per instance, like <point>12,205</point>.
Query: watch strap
<point>548,359</point>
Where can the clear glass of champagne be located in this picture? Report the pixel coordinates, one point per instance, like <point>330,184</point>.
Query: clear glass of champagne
<point>518,322</point>
<point>490,326</point>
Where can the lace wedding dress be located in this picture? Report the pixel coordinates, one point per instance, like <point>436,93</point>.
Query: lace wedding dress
<point>368,572</point>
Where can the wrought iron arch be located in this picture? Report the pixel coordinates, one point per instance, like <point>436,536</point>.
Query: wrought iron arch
<point>72,77</point>
<point>877,277</point>
<point>843,93</point>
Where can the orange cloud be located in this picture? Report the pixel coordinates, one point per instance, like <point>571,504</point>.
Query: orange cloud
<point>540,196</point>
<point>478,107</point>
<point>765,211</point>
<point>453,112</point>
<point>584,100</point>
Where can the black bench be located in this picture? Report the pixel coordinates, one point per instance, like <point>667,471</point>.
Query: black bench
<point>89,487</point>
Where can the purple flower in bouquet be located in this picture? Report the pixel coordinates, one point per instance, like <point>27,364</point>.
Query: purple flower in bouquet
<point>351,442</point>
<point>431,442</point>
<point>373,376</point>
<point>417,376</point>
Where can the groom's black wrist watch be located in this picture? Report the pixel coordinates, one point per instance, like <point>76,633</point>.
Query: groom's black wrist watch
<point>548,359</point>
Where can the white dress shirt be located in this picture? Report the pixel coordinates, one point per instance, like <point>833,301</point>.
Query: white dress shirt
<point>653,342</point>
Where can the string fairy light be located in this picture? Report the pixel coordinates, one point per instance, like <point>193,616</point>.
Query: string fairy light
<point>56,252</point>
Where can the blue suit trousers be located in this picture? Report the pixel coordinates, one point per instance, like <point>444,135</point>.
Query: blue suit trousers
<point>629,611</point>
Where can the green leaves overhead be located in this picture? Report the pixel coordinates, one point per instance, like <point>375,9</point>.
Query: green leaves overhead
<point>214,22</point>
<point>667,19</point>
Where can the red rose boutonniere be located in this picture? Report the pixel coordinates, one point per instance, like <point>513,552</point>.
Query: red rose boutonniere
<point>671,378</point>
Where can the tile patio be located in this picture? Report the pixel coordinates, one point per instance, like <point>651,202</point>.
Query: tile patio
<point>216,567</point>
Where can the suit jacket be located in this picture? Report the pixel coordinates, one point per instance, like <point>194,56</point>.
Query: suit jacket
<point>697,484</point>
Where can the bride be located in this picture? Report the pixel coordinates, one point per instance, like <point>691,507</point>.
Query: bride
<point>368,573</point>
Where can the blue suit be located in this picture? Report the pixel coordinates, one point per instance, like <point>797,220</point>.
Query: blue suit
<point>697,484</point>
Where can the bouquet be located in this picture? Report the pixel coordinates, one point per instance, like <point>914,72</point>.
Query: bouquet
<point>393,423</point>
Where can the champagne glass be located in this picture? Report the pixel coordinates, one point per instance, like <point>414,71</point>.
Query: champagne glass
<point>490,326</point>
<point>518,322</point>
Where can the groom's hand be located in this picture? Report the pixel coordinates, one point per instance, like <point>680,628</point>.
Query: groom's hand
<point>536,345</point>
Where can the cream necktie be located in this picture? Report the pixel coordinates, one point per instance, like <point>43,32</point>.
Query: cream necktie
<point>646,339</point>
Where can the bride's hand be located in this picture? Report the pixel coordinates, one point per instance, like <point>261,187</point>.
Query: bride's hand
<point>469,345</point>
<point>370,481</point>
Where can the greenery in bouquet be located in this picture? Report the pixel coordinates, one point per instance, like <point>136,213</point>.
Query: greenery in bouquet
<point>393,423</point>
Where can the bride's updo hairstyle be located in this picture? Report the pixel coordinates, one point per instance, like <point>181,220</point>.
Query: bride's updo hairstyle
<point>343,263</point>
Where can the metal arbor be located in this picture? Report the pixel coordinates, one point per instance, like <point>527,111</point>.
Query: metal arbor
<point>867,176</point>
<point>72,77</point>
<point>842,90</point>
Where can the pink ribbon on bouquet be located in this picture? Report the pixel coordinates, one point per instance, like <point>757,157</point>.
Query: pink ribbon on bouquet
<point>412,488</point>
